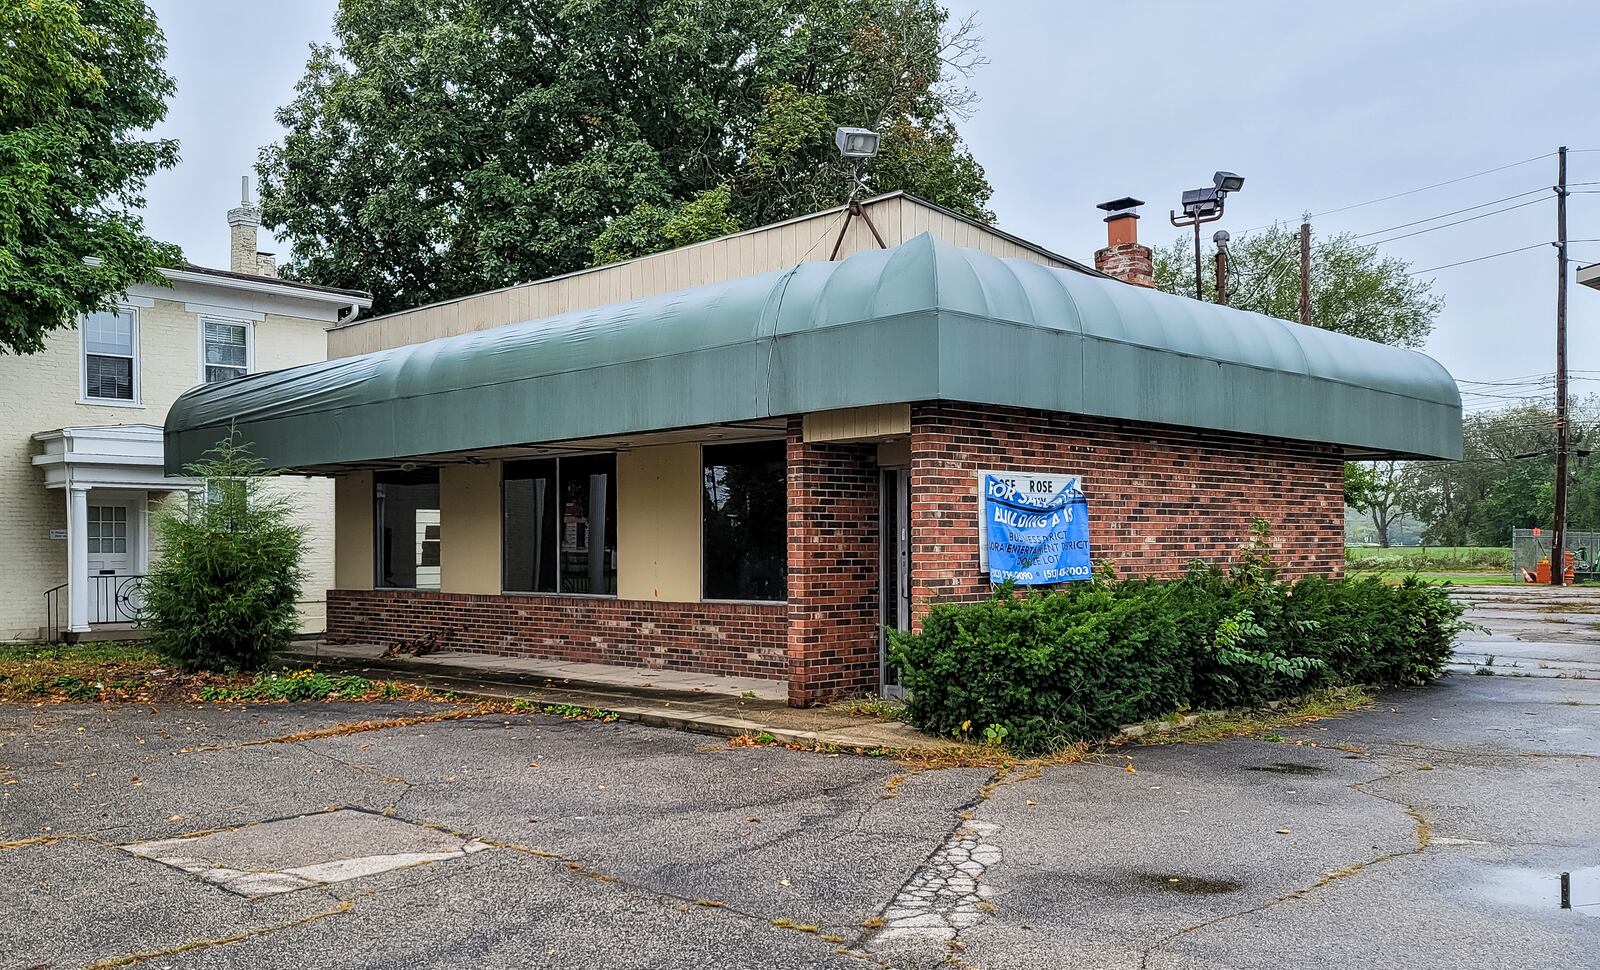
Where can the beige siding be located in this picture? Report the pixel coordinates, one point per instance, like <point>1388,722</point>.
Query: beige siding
<point>354,531</point>
<point>870,423</point>
<point>40,392</point>
<point>658,523</point>
<point>897,218</point>
<point>469,528</point>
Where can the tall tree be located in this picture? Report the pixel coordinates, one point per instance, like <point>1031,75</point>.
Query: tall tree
<point>1378,490</point>
<point>1355,289</point>
<point>442,147</point>
<point>1506,478</point>
<point>80,81</point>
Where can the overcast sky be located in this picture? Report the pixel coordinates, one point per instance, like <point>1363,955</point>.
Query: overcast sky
<point>1319,105</point>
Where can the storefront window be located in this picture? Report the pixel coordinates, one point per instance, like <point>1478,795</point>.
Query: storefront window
<point>560,529</point>
<point>406,520</point>
<point>746,510</point>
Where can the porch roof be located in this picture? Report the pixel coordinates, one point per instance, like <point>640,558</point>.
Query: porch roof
<point>922,321</point>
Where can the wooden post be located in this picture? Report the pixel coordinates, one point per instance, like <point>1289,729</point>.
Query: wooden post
<point>1305,273</point>
<point>1558,538</point>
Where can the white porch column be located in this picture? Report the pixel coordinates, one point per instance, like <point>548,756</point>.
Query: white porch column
<point>78,558</point>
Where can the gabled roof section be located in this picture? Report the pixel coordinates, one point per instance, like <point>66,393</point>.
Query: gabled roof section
<point>921,321</point>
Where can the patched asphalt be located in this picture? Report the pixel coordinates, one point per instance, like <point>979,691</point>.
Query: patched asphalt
<point>1427,831</point>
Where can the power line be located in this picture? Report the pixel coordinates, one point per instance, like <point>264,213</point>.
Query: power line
<point>1444,215</point>
<point>1435,185</point>
<point>1477,259</point>
<point>1447,225</point>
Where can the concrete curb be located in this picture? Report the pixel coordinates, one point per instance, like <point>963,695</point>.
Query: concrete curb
<point>463,683</point>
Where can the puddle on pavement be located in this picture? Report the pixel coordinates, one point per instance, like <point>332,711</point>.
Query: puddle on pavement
<point>1285,768</point>
<point>1174,882</point>
<point>1541,889</point>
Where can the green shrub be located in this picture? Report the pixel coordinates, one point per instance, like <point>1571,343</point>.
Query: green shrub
<point>300,685</point>
<point>222,595</point>
<point>1440,559</point>
<point>1042,669</point>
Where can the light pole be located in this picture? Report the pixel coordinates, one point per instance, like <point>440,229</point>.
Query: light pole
<point>1201,206</point>
<point>858,145</point>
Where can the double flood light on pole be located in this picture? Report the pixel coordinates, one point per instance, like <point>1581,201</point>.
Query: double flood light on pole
<point>1201,206</point>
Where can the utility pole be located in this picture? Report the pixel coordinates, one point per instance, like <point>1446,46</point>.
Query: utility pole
<point>1558,538</point>
<point>1305,273</point>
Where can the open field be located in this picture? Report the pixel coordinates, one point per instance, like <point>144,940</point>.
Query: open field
<point>1470,553</point>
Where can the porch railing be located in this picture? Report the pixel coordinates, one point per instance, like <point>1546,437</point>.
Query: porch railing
<point>112,599</point>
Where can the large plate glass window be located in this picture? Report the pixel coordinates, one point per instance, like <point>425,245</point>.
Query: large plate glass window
<point>110,356</point>
<point>745,521</point>
<point>560,529</point>
<point>225,349</point>
<point>406,522</point>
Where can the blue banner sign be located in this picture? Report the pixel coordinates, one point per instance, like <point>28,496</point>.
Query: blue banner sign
<point>1036,528</point>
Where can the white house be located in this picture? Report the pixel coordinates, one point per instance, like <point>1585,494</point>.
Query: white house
<point>81,446</point>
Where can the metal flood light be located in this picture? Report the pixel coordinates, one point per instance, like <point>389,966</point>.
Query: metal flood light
<point>1227,181</point>
<point>856,142</point>
<point>1202,202</point>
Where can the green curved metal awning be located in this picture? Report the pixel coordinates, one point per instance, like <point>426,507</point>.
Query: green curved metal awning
<point>923,321</point>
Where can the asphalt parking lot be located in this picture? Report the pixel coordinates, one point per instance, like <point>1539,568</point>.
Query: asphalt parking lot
<point>1427,831</point>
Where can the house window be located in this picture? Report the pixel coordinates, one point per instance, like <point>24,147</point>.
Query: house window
<point>224,350</point>
<point>111,356</point>
<point>108,529</point>
<point>405,518</point>
<point>745,531</point>
<point>560,525</point>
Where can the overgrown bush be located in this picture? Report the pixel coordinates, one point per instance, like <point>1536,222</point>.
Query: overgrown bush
<point>1042,669</point>
<point>222,595</point>
<point>1447,559</point>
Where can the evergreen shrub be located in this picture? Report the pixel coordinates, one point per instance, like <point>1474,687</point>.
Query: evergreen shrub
<point>222,594</point>
<point>1045,668</point>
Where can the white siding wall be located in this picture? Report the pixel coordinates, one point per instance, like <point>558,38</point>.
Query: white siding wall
<point>40,392</point>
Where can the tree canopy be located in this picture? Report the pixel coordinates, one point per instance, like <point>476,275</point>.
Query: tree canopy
<point>1506,478</point>
<point>442,147</point>
<point>1355,289</point>
<point>80,81</point>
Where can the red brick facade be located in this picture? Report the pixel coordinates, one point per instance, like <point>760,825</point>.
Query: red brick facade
<point>1158,496</point>
<point>833,569</point>
<point>738,639</point>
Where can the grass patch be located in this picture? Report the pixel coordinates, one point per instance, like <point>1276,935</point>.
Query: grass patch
<point>873,708</point>
<point>313,685</point>
<point>133,672</point>
<point>1263,723</point>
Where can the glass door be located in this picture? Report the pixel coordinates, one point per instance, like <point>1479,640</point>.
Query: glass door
<point>894,569</point>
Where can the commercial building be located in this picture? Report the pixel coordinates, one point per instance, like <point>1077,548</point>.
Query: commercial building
<point>742,458</point>
<point>81,475</point>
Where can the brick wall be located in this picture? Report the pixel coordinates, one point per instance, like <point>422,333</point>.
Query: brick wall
<point>1158,496</point>
<point>735,639</point>
<point>833,569</point>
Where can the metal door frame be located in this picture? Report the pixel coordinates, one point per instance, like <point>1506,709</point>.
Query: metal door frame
<point>898,544</point>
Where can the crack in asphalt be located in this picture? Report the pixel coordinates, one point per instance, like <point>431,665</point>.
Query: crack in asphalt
<point>1423,837</point>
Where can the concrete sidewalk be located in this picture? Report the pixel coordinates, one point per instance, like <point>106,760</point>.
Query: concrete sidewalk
<point>703,703</point>
<point>1531,631</point>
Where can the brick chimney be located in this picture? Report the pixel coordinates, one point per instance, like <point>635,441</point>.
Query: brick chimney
<point>1123,257</point>
<point>242,225</point>
<point>267,264</point>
